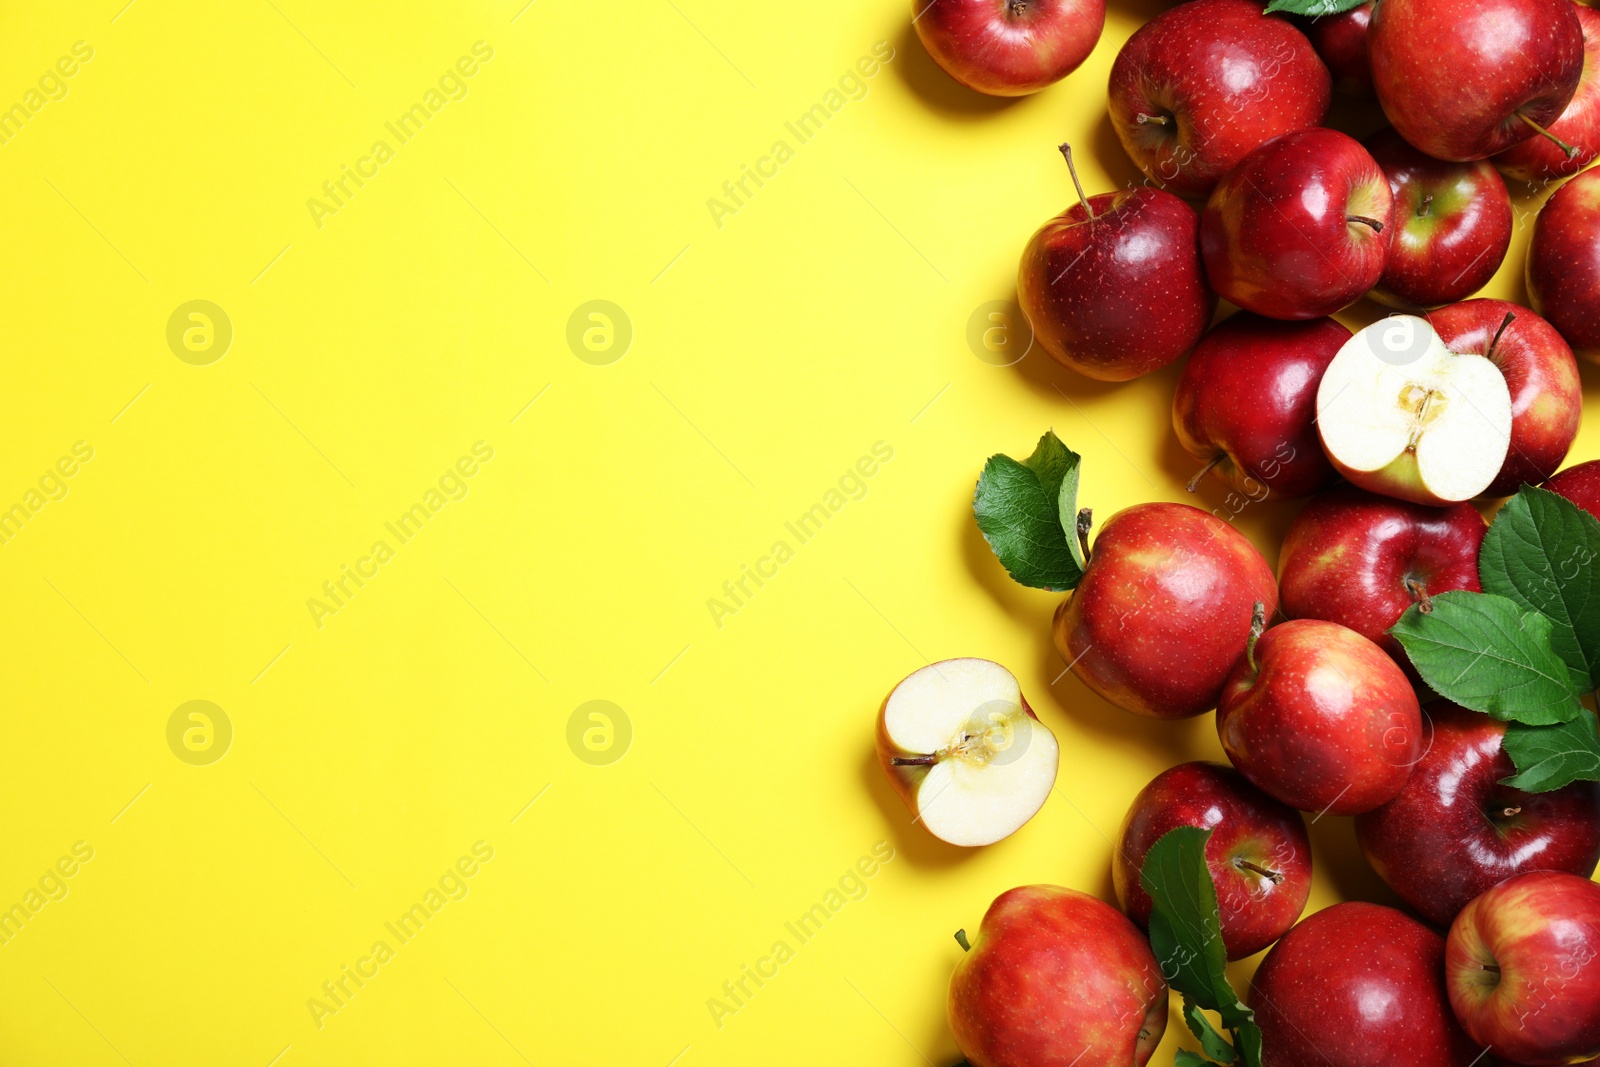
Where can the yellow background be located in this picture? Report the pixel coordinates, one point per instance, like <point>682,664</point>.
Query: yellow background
<point>769,354</point>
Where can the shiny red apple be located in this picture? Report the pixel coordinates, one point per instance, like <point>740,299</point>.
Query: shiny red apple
<point>1455,830</point>
<point>1008,47</point>
<point>1539,159</point>
<point>1320,718</point>
<point>1564,263</point>
<point>1056,978</point>
<point>1247,404</point>
<point>1163,611</point>
<point>1452,225</point>
<point>1540,371</point>
<point>1341,41</point>
<point>1465,79</point>
<point>1199,86</point>
<point>1357,985</point>
<point>1113,286</point>
<point>1579,484</point>
<point>1522,964</point>
<point>1259,853</point>
<point>1300,228</point>
<point>1360,560</point>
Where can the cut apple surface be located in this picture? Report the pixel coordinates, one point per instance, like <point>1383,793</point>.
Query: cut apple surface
<point>1401,414</point>
<point>965,752</point>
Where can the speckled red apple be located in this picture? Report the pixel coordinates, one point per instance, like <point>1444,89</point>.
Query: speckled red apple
<point>1538,159</point>
<point>1341,41</point>
<point>1564,263</point>
<point>1008,47</point>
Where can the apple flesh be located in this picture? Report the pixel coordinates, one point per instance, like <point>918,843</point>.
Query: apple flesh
<point>1579,484</point>
<point>1357,985</point>
<point>1341,41</point>
<point>1201,85</point>
<point>1008,47</point>
<point>1360,560</point>
<point>1455,831</point>
<point>1056,978</point>
<point>1540,159</point>
<point>1259,853</point>
<point>1163,611</point>
<point>1247,403</point>
<point>1401,414</point>
<point>1300,228</point>
<point>1113,286</point>
<point>1452,225</point>
<point>1465,79</point>
<point>1564,263</point>
<point>1541,375</point>
<point>1520,964</point>
<point>1320,718</point>
<point>965,752</point>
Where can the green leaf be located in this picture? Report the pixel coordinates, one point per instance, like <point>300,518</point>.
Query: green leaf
<point>1486,653</point>
<point>1549,757</point>
<point>1215,1045</point>
<point>1313,8</point>
<point>1185,1058</point>
<point>1027,512</point>
<point>1540,552</point>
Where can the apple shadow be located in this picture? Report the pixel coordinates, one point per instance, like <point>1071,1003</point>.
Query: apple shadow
<point>1040,371</point>
<point>1337,854</point>
<point>909,839</point>
<point>928,82</point>
<point>1113,159</point>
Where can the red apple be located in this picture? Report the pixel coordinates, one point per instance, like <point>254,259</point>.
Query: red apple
<point>1540,372</point>
<point>1163,611</point>
<point>1564,263</point>
<point>1464,79</point>
<point>1247,404</point>
<point>1008,47</point>
<point>1199,86</point>
<point>1341,41</point>
<point>1452,225</point>
<point>1300,227</point>
<point>1455,831</point>
<point>1113,286</point>
<point>1056,978</point>
<point>1539,159</point>
<point>1360,560</point>
<point>1521,967</point>
<point>1579,484</point>
<point>1321,718</point>
<point>1259,853</point>
<point>1357,985</point>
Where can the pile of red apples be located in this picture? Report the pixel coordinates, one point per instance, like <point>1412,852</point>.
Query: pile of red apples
<point>1399,434</point>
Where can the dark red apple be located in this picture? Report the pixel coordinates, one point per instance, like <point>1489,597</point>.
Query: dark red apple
<point>1113,286</point>
<point>1341,41</point>
<point>1521,966</point>
<point>1199,86</point>
<point>1357,985</point>
<point>1465,79</point>
<point>1051,974</point>
<point>1163,611</point>
<point>1579,484</point>
<point>1564,263</point>
<point>1259,853</point>
<point>1320,718</point>
<point>1247,404</point>
<point>1539,159</point>
<point>1008,47</point>
<point>1455,831</point>
<point>1540,371</point>
<point>1452,225</point>
<point>1360,560</point>
<point>1300,228</point>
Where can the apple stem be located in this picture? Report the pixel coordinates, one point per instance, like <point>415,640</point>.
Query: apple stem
<point>1570,150</point>
<point>1258,625</point>
<point>1495,967</point>
<point>1272,876</point>
<point>1419,594</point>
<point>1085,521</point>
<point>1194,483</point>
<point>1426,205</point>
<point>961,939</point>
<point>1511,811</point>
<point>1146,120</point>
<point>1377,227</point>
<point>913,761</point>
<point>1017,7</point>
<point>1511,316</point>
<point>1066,150</point>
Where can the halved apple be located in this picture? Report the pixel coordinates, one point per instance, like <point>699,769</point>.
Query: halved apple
<point>965,752</point>
<point>1402,415</point>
